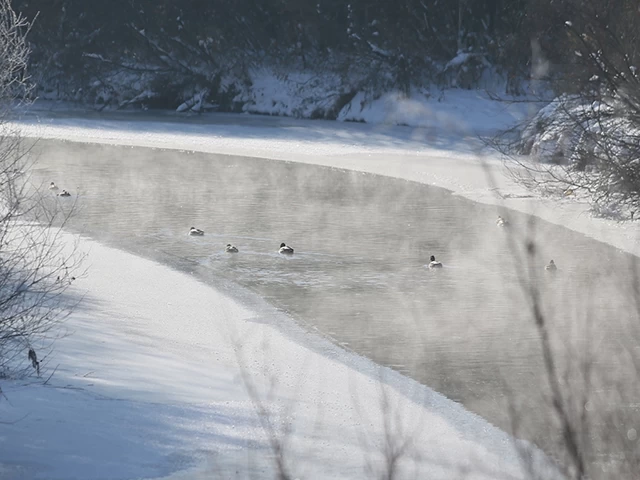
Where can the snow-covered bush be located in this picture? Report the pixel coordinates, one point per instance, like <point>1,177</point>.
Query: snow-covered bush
<point>549,135</point>
<point>595,146</point>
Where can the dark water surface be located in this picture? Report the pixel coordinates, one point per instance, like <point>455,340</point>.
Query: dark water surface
<point>358,275</point>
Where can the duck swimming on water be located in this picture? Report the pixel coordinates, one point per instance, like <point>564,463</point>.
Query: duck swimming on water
<point>551,267</point>
<point>231,248</point>
<point>434,263</point>
<point>285,249</point>
<point>196,232</point>
<point>53,187</point>
<point>64,193</point>
<point>501,222</point>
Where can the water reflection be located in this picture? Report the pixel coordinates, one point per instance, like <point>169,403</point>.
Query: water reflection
<point>359,273</point>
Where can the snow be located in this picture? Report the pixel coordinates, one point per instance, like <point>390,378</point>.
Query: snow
<point>291,94</point>
<point>196,103</point>
<point>459,59</point>
<point>451,111</point>
<point>308,95</point>
<point>309,91</point>
<point>150,384</point>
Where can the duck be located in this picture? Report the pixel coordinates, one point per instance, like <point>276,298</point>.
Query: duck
<point>53,187</point>
<point>196,232</point>
<point>501,222</point>
<point>231,248</point>
<point>285,250</point>
<point>551,267</point>
<point>434,263</point>
<point>64,193</point>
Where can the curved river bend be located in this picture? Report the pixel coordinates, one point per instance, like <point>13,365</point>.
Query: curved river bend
<point>358,275</point>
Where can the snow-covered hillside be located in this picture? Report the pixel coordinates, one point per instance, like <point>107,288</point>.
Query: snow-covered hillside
<point>318,95</point>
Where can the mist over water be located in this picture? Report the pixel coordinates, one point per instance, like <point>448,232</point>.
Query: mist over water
<point>359,276</point>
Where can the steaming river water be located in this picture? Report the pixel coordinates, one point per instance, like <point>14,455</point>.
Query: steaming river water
<point>358,274</point>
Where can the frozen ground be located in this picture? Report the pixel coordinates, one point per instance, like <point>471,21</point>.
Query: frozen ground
<point>150,383</point>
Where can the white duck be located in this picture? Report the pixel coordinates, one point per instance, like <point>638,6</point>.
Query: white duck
<point>53,187</point>
<point>285,250</point>
<point>434,263</point>
<point>196,232</point>
<point>231,248</point>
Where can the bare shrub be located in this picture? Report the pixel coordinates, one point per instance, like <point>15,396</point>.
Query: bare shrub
<point>586,141</point>
<point>35,267</point>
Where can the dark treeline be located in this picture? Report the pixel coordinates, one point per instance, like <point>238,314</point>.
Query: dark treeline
<point>81,48</point>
